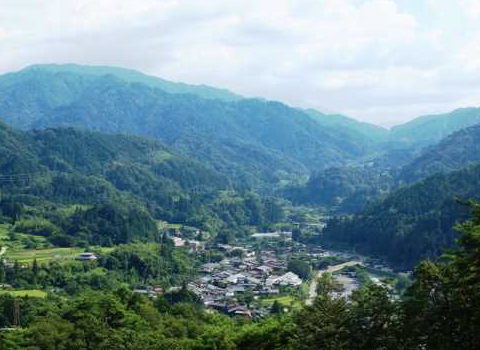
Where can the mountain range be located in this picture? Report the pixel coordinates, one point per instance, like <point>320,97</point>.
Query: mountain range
<point>191,153</point>
<point>253,141</point>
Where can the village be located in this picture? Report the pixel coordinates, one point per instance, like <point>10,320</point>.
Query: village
<point>246,279</point>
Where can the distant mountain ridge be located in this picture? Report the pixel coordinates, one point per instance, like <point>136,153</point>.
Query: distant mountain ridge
<point>458,150</point>
<point>131,76</point>
<point>428,130</point>
<point>254,141</point>
<point>370,131</point>
<point>350,188</point>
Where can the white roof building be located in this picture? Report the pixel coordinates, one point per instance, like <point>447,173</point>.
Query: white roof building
<point>234,278</point>
<point>86,257</point>
<point>288,279</point>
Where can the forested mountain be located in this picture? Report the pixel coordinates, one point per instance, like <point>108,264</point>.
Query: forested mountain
<point>456,151</point>
<point>71,73</point>
<point>413,222</point>
<point>129,181</point>
<point>342,189</point>
<point>253,141</point>
<point>428,130</point>
<point>348,189</point>
<point>373,134</point>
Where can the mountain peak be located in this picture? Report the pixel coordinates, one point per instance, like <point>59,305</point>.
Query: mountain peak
<point>134,76</point>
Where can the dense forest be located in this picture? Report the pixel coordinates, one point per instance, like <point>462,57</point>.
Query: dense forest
<point>411,223</point>
<point>119,184</point>
<point>349,189</point>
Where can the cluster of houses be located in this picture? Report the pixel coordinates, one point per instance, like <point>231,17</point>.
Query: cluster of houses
<point>230,285</point>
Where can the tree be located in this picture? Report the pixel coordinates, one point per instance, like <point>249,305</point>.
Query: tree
<point>35,267</point>
<point>373,322</point>
<point>296,234</point>
<point>441,310</point>
<point>299,267</point>
<point>323,325</point>
<point>2,271</point>
<point>276,308</point>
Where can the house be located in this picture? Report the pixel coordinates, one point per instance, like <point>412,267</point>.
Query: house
<point>140,291</point>
<point>266,270</point>
<point>288,279</point>
<point>239,310</point>
<point>234,278</point>
<point>86,257</point>
<point>210,267</point>
<point>178,242</point>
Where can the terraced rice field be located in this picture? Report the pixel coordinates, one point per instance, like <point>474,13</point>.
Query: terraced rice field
<point>42,255</point>
<point>34,293</point>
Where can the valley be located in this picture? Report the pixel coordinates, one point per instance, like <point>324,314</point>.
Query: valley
<point>178,211</point>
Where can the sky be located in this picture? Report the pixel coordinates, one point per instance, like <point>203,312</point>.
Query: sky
<point>379,61</point>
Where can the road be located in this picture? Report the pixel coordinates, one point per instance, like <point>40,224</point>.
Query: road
<point>312,291</point>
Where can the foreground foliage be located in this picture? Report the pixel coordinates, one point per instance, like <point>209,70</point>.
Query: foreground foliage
<point>438,312</point>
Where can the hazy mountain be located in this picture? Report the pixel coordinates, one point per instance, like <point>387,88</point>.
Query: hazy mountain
<point>350,188</point>
<point>456,151</point>
<point>430,129</point>
<point>128,75</point>
<point>250,140</point>
<point>372,134</point>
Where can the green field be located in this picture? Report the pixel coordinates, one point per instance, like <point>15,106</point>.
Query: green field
<point>165,225</point>
<point>285,301</point>
<point>46,255</point>
<point>35,293</point>
<point>42,255</point>
<point>4,228</point>
<point>18,240</point>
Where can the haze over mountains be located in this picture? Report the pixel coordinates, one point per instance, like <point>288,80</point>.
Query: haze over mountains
<point>210,139</point>
<point>254,141</point>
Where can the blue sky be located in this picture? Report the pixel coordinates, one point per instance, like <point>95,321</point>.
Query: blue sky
<point>382,61</point>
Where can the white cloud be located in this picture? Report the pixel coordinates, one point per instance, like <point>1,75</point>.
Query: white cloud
<point>371,58</point>
<point>472,8</point>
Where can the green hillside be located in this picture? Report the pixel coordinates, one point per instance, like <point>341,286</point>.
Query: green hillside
<point>456,151</point>
<point>349,189</point>
<point>372,134</point>
<point>412,223</point>
<point>117,185</point>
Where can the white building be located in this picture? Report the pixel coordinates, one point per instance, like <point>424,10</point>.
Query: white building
<point>288,279</point>
<point>86,257</point>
